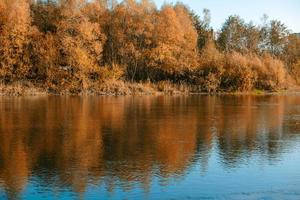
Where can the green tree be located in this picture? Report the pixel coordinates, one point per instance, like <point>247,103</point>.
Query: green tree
<point>232,35</point>
<point>274,37</point>
<point>202,26</point>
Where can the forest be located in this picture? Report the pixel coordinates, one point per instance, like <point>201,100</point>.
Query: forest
<point>133,47</point>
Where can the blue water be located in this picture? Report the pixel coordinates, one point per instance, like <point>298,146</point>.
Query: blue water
<point>195,147</point>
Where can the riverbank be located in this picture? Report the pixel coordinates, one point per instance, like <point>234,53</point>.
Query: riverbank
<point>112,88</point>
<point>121,88</point>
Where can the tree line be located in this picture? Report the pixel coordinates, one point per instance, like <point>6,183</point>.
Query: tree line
<point>79,45</point>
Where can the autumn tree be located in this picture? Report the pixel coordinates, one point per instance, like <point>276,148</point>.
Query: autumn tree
<point>291,56</point>
<point>130,37</point>
<point>45,16</point>
<point>15,30</point>
<point>211,68</point>
<point>43,51</point>
<point>175,41</point>
<point>292,50</point>
<point>137,34</point>
<point>3,18</point>
<point>79,44</point>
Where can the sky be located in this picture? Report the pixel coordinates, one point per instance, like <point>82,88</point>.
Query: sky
<point>287,11</point>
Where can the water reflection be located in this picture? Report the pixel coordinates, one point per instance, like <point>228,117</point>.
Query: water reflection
<point>72,143</point>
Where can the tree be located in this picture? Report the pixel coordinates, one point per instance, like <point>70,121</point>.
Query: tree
<point>292,50</point>
<point>202,26</point>
<point>274,37</point>
<point>232,35</point>
<point>130,37</point>
<point>278,37</point>
<point>45,16</point>
<point>252,38</point>
<point>15,30</point>
<point>175,41</point>
<point>79,44</point>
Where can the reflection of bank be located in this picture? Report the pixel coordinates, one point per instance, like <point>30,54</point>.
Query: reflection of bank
<point>14,169</point>
<point>157,138</point>
<point>130,139</point>
<point>41,138</point>
<point>84,139</point>
<point>251,126</point>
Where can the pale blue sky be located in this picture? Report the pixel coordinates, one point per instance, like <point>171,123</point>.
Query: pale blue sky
<point>287,11</point>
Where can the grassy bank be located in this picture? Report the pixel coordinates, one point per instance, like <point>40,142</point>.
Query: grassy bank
<point>123,88</point>
<point>111,88</point>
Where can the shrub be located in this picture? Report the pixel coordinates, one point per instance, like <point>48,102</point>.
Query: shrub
<point>238,75</point>
<point>115,72</point>
<point>208,75</point>
<point>296,71</point>
<point>271,74</point>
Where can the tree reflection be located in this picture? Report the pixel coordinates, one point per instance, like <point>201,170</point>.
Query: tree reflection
<point>73,142</point>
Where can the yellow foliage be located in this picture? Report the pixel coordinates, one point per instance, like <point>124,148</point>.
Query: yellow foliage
<point>75,46</point>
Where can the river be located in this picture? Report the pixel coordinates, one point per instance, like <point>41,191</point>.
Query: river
<point>150,147</point>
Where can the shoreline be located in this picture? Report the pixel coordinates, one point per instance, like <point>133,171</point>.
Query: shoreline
<point>129,89</point>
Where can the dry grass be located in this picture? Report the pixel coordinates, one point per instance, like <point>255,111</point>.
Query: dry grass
<point>167,87</point>
<point>119,87</point>
<point>20,89</point>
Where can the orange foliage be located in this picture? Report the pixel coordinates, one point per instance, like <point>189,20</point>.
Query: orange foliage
<point>77,45</point>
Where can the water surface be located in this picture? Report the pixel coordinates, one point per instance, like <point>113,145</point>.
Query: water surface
<point>196,147</point>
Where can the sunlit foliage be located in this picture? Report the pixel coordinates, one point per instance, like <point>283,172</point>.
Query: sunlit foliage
<point>77,45</point>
